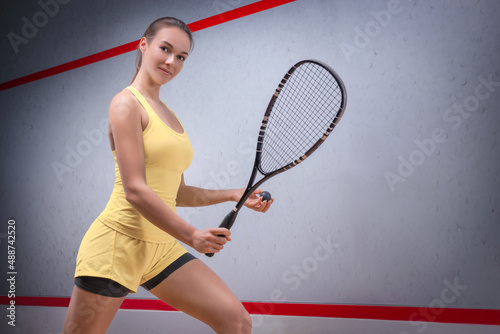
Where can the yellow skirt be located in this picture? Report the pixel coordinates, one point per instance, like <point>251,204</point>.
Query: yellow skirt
<point>131,262</point>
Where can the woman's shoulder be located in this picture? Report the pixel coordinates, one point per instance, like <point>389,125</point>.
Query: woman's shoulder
<point>124,101</point>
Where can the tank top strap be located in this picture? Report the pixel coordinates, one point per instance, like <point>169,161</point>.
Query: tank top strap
<point>142,100</point>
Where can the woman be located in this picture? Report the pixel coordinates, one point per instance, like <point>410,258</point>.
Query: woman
<point>134,240</point>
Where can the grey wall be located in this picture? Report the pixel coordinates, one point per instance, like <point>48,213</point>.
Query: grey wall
<point>405,191</point>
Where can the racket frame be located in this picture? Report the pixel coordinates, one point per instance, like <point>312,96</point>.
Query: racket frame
<point>228,221</point>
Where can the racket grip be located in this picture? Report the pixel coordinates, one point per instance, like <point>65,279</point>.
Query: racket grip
<point>227,222</point>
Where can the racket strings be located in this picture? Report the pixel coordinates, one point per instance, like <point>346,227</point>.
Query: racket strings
<point>305,109</point>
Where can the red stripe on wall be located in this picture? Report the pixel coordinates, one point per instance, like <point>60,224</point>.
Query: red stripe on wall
<point>119,50</point>
<point>379,312</point>
<point>372,312</point>
<point>237,13</point>
<point>71,65</point>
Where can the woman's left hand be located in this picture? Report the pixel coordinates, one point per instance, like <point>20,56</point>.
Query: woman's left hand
<point>256,202</point>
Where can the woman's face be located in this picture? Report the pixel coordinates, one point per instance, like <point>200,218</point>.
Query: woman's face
<point>164,56</point>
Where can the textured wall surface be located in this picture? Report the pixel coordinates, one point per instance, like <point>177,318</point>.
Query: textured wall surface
<point>401,202</point>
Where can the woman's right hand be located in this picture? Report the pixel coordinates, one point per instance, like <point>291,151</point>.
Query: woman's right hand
<point>211,240</point>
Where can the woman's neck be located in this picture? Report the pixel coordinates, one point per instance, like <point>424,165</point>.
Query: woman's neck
<point>147,88</point>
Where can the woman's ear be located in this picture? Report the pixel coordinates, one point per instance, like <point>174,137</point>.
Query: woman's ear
<point>142,44</point>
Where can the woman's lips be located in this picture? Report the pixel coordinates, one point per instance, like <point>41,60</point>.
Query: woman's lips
<point>165,71</point>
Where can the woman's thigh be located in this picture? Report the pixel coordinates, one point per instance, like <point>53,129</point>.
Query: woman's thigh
<point>90,313</point>
<point>196,290</point>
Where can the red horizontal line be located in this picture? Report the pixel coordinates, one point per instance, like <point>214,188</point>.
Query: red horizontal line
<point>208,22</point>
<point>379,312</point>
<point>372,312</point>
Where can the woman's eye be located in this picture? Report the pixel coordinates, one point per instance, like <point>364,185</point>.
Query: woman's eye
<point>164,48</point>
<point>182,58</point>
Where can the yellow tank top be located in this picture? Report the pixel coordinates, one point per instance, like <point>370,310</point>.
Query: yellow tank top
<point>167,155</point>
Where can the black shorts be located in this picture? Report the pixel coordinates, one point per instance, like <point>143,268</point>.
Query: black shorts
<point>110,288</point>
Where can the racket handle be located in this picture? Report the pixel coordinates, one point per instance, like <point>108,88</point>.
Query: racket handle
<point>227,222</point>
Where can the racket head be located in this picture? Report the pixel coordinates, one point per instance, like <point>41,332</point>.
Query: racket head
<point>305,108</point>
